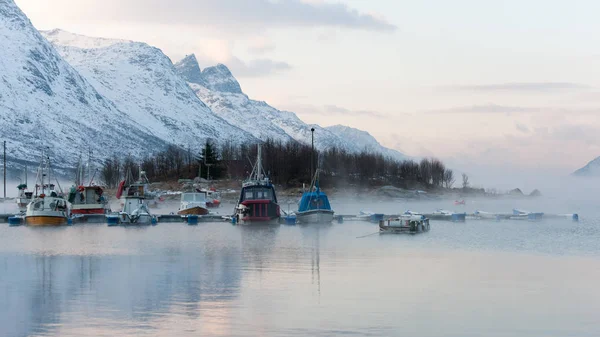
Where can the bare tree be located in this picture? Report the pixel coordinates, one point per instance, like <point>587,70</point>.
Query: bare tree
<point>448,178</point>
<point>465,181</point>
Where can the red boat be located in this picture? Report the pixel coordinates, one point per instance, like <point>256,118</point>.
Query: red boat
<point>258,202</point>
<point>459,202</point>
<point>88,200</point>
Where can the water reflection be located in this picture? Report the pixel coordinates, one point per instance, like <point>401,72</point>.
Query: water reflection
<point>222,280</point>
<point>45,293</point>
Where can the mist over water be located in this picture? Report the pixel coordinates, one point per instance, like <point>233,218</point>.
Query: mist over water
<point>508,278</point>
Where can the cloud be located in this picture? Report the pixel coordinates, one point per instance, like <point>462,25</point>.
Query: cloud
<point>346,112</point>
<point>240,15</point>
<point>487,108</point>
<point>260,46</point>
<point>257,67</point>
<point>492,108</point>
<point>328,110</point>
<point>522,127</point>
<point>526,87</point>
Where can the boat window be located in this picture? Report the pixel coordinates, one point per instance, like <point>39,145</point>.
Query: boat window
<point>200,197</point>
<point>258,194</point>
<point>188,197</point>
<point>38,205</point>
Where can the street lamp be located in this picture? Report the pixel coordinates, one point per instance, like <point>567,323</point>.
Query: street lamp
<point>312,151</point>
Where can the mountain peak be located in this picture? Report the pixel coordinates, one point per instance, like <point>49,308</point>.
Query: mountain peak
<point>592,169</point>
<point>220,78</point>
<point>189,69</point>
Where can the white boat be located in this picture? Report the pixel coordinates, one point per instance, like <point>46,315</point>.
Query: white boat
<point>193,203</point>
<point>87,198</point>
<point>405,224</point>
<point>47,208</point>
<point>135,205</point>
<point>136,211</point>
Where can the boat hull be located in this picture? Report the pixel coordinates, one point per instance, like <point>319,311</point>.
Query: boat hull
<point>45,221</point>
<point>194,211</point>
<point>403,227</point>
<point>74,210</point>
<point>315,216</point>
<point>258,221</point>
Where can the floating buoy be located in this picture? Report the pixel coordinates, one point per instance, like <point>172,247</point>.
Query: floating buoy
<point>14,221</point>
<point>112,221</point>
<point>192,219</point>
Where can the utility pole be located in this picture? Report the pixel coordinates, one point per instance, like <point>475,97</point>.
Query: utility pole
<point>4,170</point>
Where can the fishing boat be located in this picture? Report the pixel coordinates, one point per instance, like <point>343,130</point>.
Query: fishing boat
<point>48,207</point>
<point>193,203</point>
<point>135,207</point>
<point>405,224</point>
<point>151,198</point>
<point>257,204</point>
<point>135,203</point>
<point>314,206</point>
<point>87,198</point>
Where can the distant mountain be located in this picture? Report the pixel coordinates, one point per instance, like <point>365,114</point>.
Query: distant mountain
<point>364,139</point>
<point>219,89</point>
<point>45,103</point>
<point>143,82</point>
<point>592,169</point>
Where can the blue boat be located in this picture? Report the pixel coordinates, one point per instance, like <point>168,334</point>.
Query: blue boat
<point>314,208</point>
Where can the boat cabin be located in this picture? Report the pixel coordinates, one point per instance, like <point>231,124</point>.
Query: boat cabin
<point>258,192</point>
<point>314,201</point>
<point>86,195</point>
<point>193,197</point>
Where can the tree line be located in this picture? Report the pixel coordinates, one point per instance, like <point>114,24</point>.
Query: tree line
<point>286,163</point>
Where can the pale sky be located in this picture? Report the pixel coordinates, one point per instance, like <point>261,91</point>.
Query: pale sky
<point>511,83</point>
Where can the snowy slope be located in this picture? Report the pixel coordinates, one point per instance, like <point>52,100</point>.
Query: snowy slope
<point>143,82</point>
<point>44,102</point>
<point>219,89</point>
<point>364,139</point>
<point>592,169</point>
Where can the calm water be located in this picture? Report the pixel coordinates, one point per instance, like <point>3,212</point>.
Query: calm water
<point>215,279</point>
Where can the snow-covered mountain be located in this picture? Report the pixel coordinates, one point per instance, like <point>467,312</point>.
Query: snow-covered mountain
<point>592,169</point>
<point>143,82</point>
<point>45,103</point>
<point>364,139</point>
<point>219,89</point>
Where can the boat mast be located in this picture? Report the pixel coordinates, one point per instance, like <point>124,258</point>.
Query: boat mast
<point>259,163</point>
<point>90,167</point>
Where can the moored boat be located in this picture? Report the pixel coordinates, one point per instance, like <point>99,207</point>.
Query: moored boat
<point>47,208</point>
<point>135,203</point>
<point>405,224</point>
<point>314,207</point>
<point>87,198</point>
<point>257,204</point>
<point>193,203</point>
